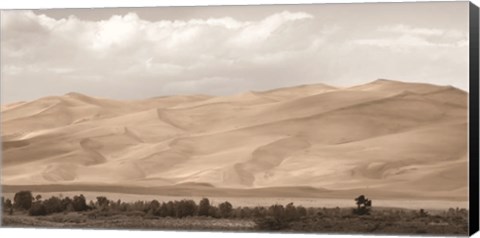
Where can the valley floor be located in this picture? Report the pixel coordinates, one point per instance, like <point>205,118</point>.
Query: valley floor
<point>385,222</point>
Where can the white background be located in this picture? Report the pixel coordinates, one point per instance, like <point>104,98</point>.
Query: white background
<point>34,4</point>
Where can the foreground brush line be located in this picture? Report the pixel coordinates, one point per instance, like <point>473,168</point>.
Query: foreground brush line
<point>64,212</point>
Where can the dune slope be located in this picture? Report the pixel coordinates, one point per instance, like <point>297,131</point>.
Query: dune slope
<point>385,136</point>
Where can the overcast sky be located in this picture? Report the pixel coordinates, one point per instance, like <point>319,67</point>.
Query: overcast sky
<point>130,53</point>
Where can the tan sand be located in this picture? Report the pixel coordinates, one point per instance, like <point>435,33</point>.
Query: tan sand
<point>386,138</point>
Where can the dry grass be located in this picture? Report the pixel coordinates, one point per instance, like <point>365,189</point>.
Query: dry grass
<point>125,221</point>
<point>334,220</point>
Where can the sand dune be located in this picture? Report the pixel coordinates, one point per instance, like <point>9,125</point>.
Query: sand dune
<point>386,137</point>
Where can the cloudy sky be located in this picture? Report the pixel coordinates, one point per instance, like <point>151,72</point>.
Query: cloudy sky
<point>130,53</point>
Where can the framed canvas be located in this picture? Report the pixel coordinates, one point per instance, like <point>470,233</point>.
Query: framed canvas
<point>358,118</point>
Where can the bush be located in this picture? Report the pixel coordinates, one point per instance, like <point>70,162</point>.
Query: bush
<point>185,208</point>
<point>259,212</point>
<point>79,203</point>
<point>276,211</point>
<point>170,209</point>
<point>23,200</point>
<point>204,207</point>
<point>6,204</point>
<point>363,205</point>
<point>302,212</point>
<point>67,204</point>
<point>102,203</point>
<point>153,207</point>
<point>37,209</point>
<point>291,212</point>
<point>214,212</point>
<point>270,223</point>
<point>225,209</point>
<point>53,205</point>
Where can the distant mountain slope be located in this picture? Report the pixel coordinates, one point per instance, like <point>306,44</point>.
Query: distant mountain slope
<point>385,136</point>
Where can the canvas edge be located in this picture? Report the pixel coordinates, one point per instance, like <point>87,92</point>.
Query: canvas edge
<point>474,120</point>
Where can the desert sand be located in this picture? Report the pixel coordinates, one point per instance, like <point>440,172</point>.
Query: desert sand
<point>386,139</point>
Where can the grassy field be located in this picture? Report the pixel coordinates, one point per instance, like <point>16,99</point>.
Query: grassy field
<point>382,221</point>
<point>126,221</point>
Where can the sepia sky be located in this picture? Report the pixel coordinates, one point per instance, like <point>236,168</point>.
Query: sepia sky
<point>131,53</point>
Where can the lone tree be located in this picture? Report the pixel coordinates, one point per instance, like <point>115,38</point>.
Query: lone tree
<point>364,205</point>
<point>23,200</point>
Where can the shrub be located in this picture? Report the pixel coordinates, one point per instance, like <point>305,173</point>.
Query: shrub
<point>138,206</point>
<point>259,212</point>
<point>53,205</point>
<point>214,212</point>
<point>162,210</point>
<point>301,211</point>
<point>102,203</point>
<point>67,204</point>
<point>276,211</point>
<point>225,209</point>
<point>37,209</point>
<point>270,223</point>
<point>7,205</point>
<point>363,205</point>
<point>23,200</point>
<point>291,212</point>
<point>204,207</point>
<point>153,207</point>
<point>79,203</point>
<point>170,209</point>
<point>185,208</point>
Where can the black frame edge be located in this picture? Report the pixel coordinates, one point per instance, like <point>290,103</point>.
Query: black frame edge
<point>474,168</point>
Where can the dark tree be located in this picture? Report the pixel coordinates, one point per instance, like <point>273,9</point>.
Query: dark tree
<point>185,208</point>
<point>259,212</point>
<point>291,212</point>
<point>102,203</point>
<point>8,204</point>
<point>37,209</point>
<point>301,211</point>
<point>79,203</point>
<point>162,210</point>
<point>204,207</point>
<point>214,212</point>
<point>276,211</point>
<point>53,205</point>
<point>23,200</point>
<point>422,213</point>
<point>364,205</point>
<point>153,207</point>
<point>67,204</point>
<point>38,197</point>
<point>225,209</point>
<point>170,209</point>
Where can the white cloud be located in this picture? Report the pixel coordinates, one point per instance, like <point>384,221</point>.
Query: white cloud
<point>260,31</point>
<point>403,37</point>
<point>125,56</point>
<point>123,48</point>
